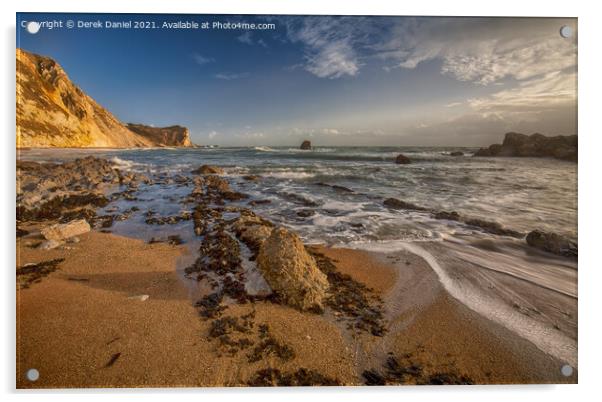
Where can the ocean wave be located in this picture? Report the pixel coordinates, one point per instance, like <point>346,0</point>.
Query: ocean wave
<point>289,175</point>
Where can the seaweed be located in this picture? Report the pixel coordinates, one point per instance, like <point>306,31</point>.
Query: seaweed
<point>33,273</point>
<point>271,377</point>
<point>353,300</point>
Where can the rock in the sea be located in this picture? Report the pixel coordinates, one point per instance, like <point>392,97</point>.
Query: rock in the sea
<point>63,231</point>
<point>305,145</point>
<point>456,153</point>
<point>208,169</point>
<point>552,243</point>
<point>402,160</point>
<point>291,271</point>
<point>492,227</point>
<point>447,215</point>
<point>534,145</point>
<point>394,203</point>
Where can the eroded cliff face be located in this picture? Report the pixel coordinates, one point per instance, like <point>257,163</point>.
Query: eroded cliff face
<point>163,136</point>
<point>54,112</point>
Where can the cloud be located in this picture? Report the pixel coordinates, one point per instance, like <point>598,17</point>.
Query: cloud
<point>201,60</point>
<point>231,76</point>
<point>478,50</point>
<point>247,38</point>
<point>531,98</point>
<point>482,50</point>
<point>329,45</point>
<point>212,134</point>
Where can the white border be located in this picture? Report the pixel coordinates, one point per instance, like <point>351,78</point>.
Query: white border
<point>589,196</point>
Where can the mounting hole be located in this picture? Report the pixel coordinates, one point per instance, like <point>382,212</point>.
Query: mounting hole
<point>566,370</point>
<point>33,27</point>
<point>566,31</point>
<point>33,375</point>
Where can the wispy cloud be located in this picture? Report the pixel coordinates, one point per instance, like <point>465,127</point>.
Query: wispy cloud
<point>231,76</point>
<point>328,45</point>
<point>247,38</point>
<point>202,60</point>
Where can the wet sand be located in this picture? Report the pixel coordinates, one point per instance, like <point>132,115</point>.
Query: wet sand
<point>80,327</point>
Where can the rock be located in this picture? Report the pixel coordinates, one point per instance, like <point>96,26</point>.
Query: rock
<point>450,216</point>
<point>305,213</point>
<point>251,177</point>
<point>62,231</point>
<point>177,136</point>
<point>139,297</point>
<point>402,160</point>
<point>552,243</point>
<point>252,230</point>
<point>306,145</point>
<point>456,153</point>
<point>50,244</point>
<point>291,271</point>
<point>394,203</point>
<point>492,227</point>
<point>208,169</point>
<point>534,145</point>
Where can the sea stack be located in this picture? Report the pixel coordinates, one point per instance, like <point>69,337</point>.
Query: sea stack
<point>306,145</point>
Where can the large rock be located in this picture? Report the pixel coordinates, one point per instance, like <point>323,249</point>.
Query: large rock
<point>552,243</point>
<point>305,145</point>
<point>401,159</point>
<point>291,272</point>
<point>63,231</point>
<point>535,145</point>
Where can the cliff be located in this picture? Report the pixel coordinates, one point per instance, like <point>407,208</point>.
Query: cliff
<point>163,136</point>
<point>53,112</point>
<point>535,145</point>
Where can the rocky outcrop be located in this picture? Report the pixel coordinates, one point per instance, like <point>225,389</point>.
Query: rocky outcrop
<point>53,112</point>
<point>534,145</point>
<point>305,145</point>
<point>175,136</point>
<point>291,272</point>
<point>552,243</point>
<point>401,159</point>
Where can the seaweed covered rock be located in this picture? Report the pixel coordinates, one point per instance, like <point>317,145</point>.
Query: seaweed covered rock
<point>552,243</point>
<point>291,271</point>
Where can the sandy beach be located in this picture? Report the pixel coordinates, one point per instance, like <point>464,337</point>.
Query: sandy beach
<point>74,322</point>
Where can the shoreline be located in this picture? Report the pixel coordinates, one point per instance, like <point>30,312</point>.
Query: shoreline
<point>386,317</point>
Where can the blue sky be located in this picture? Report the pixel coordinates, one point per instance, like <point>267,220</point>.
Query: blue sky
<point>334,80</point>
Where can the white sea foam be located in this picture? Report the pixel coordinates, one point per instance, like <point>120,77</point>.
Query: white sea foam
<point>546,338</point>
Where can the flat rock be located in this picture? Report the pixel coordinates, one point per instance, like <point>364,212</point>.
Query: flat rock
<point>63,231</point>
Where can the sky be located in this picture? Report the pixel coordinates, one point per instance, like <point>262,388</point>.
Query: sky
<point>424,81</point>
